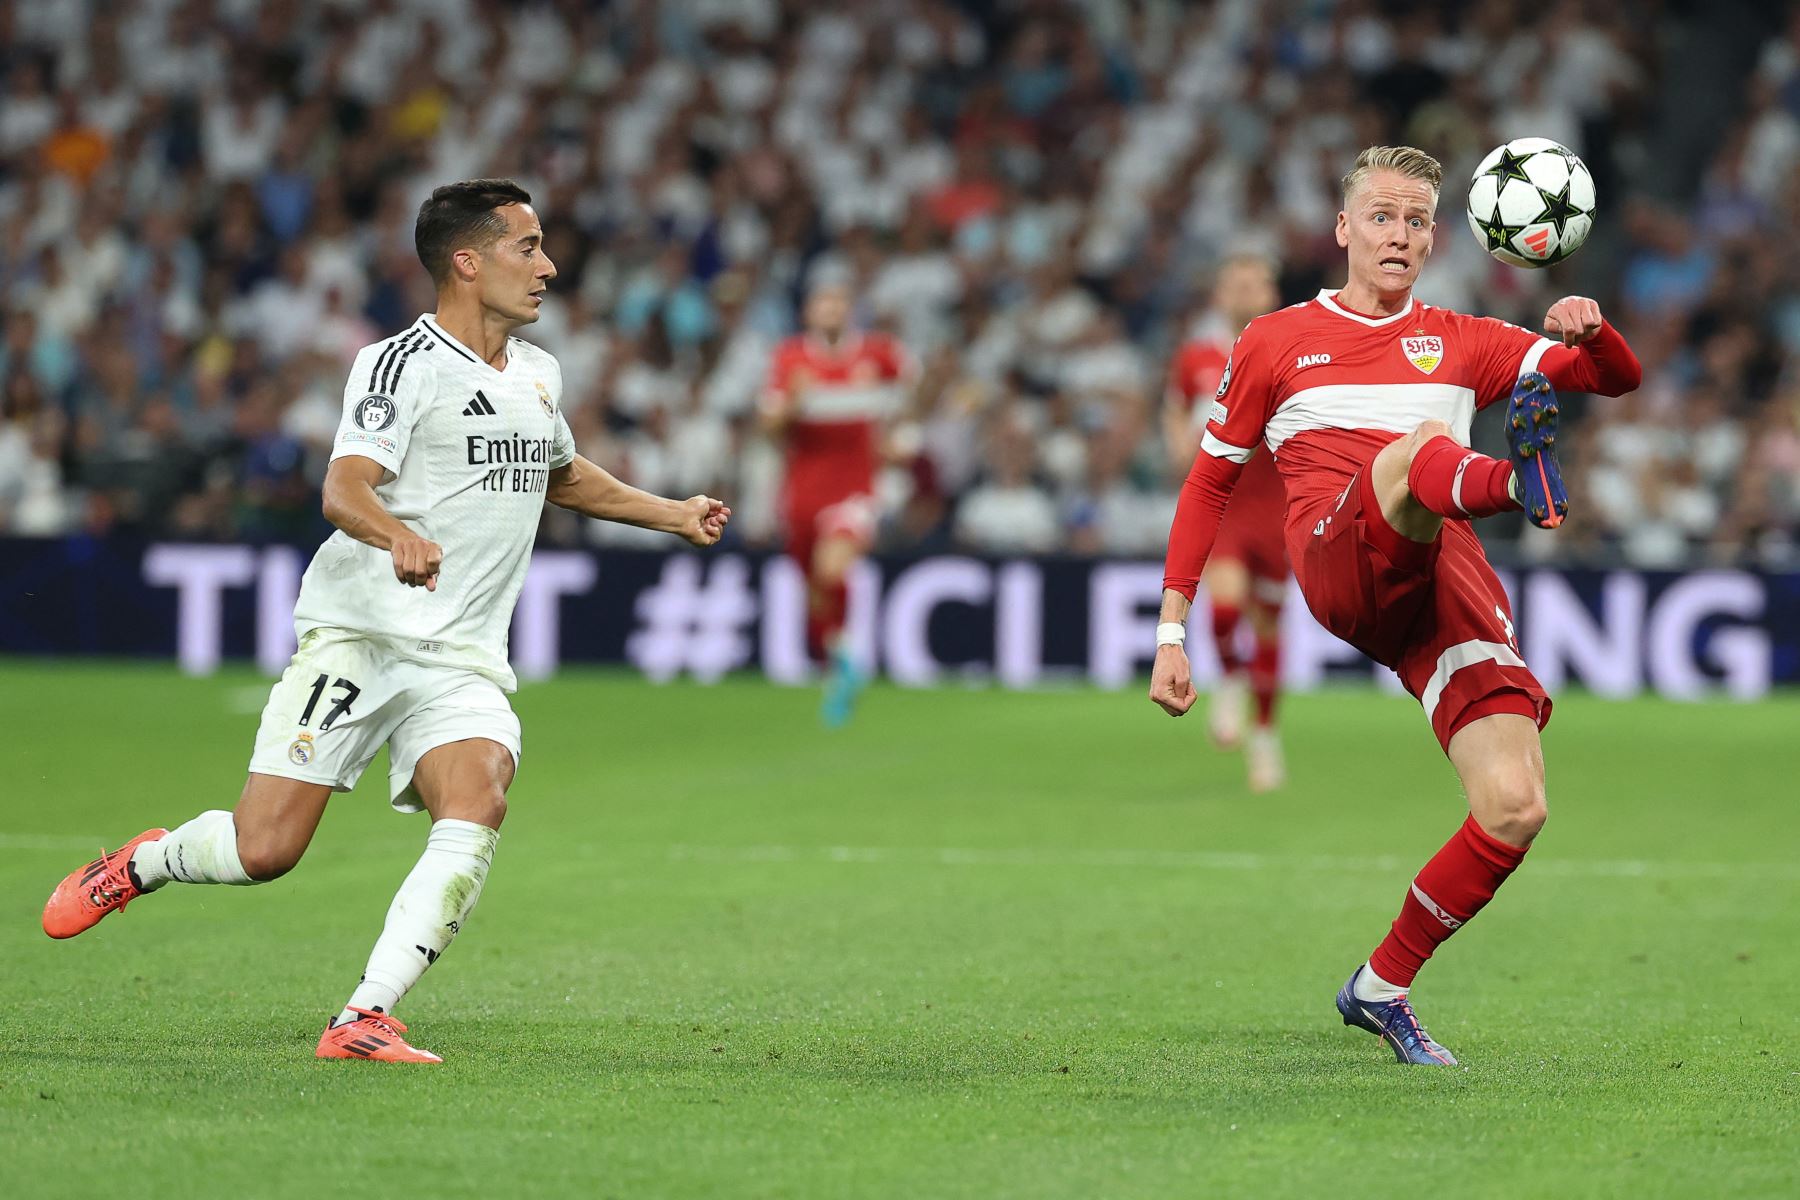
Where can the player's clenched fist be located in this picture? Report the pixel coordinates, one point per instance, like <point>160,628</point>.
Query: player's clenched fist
<point>1574,319</point>
<point>416,561</point>
<point>704,520</point>
<point>1171,684</point>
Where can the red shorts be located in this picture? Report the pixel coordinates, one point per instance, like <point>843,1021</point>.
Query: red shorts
<point>810,522</point>
<point>1433,611</point>
<point>1251,530</point>
<point>1255,539</point>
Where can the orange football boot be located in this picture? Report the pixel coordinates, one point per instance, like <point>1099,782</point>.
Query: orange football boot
<point>102,886</point>
<point>373,1035</point>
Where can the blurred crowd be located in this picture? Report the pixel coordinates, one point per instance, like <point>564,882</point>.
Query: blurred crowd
<point>206,207</point>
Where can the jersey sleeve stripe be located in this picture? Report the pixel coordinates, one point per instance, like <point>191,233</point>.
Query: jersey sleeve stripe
<point>390,377</point>
<point>390,349</point>
<point>388,360</point>
<point>1535,355</point>
<point>1219,449</point>
<point>383,359</point>
<point>400,367</point>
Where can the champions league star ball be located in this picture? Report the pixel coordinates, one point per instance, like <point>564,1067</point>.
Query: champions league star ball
<point>1531,202</point>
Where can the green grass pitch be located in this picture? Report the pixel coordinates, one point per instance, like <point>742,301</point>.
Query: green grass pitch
<point>976,945</point>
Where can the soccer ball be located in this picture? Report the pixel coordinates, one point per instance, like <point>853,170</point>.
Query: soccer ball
<point>1531,202</point>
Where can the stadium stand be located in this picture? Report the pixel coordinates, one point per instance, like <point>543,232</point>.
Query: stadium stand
<point>206,206</point>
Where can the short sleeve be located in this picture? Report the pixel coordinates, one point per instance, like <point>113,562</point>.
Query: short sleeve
<point>1502,352</point>
<point>1239,409</point>
<point>383,399</point>
<point>562,442</point>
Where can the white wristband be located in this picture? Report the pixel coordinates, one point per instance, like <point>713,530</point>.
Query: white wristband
<point>1171,633</point>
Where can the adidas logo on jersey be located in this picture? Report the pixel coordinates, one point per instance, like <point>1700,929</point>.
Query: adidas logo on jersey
<point>1311,360</point>
<point>480,406</point>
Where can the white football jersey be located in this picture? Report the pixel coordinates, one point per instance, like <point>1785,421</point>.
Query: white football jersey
<point>467,452</point>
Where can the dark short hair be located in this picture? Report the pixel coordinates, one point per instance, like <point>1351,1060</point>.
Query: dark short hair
<point>459,215</point>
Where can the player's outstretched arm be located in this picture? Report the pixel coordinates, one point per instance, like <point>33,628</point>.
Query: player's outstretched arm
<point>1594,356</point>
<point>589,489</point>
<point>351,504</point>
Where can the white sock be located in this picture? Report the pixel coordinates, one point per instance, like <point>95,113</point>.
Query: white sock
<point>427,912</point>
<point>1375,989</point>
<point>202,851</point>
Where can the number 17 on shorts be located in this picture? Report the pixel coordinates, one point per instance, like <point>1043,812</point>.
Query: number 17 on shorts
<point>323,722</point>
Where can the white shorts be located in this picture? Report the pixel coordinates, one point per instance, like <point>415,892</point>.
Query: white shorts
<point>344,695</point>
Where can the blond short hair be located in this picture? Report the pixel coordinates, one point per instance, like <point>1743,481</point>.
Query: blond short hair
<point>1404,160</point>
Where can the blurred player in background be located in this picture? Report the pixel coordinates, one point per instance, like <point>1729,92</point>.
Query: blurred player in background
<point>1247,572</point>
<point>451,440</point>
<point>832,391</point>
<point>1365,396</point>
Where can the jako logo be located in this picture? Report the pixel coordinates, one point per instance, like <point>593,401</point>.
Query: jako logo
<point>1311,360</point>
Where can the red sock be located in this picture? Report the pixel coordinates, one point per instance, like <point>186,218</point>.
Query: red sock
<point>1225,618</point>
<point>1454,481</point>
<point>1453,887</point>
<point>1265,678</point>
<point>825,618</point>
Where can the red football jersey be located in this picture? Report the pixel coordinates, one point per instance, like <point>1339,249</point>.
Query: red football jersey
<point>1194,379</point>
<point>1325,388</point>
<point>839,396</point>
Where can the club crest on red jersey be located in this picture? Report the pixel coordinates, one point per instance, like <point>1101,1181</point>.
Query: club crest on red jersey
<point>1424,353</point>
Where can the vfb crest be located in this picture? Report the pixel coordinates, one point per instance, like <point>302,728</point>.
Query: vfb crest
<point>1424,353</point>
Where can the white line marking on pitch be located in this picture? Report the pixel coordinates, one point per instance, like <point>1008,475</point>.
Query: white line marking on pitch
<point>1175,860</point>
<point>51,841</point>
<point>1204,860</point>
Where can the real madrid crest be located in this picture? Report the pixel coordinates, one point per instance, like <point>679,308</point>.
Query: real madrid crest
<point>301,752</point>
<point>544,398</point>
<point>1424,353</point>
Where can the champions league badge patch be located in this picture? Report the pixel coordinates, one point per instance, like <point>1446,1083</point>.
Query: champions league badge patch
<point>301,752</point>
<point>375,413</point>
<point>1424,353</point>
<point>544,398</point>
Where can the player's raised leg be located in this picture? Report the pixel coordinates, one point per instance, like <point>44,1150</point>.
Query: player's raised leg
<point>463,786</point>
<point>1500,760</point>
<point>1429,475</point>
<point>261,840</point>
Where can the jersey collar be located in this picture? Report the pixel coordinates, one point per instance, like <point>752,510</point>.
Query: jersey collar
<point>438,331</point>
<point>1328,301</point>
<point>848,346</point>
